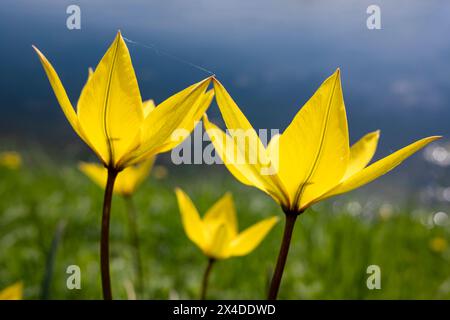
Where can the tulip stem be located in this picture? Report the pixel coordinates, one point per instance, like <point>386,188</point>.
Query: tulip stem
<point>132,222</point>
<point>104,241</point>
<point>206,278</point>
<point>282,255</point>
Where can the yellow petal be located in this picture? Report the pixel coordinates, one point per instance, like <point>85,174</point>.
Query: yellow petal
<point>245,172</point>
<point>239,127</point>
<point>13,292</point>
<point>361,153</point>
<point>170,115</point>
<point>127,180</point>
<point>379,168</point>
<point>96,172</point>
<point>241,149</point>
<point>314,149</point>
<point>110,107</point>
<point>193,225</point>
<point>148,106</point>
<point>190,121</point>
<point>250,238</point>
<point>222,212</point>
<point>218,243</point>
<point>141,171</point>
<point>60,92</point>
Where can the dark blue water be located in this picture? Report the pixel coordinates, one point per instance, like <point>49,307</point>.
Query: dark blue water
<point>271,55</point>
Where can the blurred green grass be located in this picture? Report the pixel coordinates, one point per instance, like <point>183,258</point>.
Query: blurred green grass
<point>330,252</point>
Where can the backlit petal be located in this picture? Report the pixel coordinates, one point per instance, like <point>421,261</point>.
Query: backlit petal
<point>148,106</point>
<point>96,172</point>
<point>61,94</point>
<point>190,121</point>
<point>314,149</point>
<point>170,115</point>
<point>250,238</point>
<point>361,153</point>
<point>223,212</point>
<point>219,242</point>
<point>242,150</point>
<point>110,107</point>
<point>231,155</point>
<point>379,167</point>
<point>193,225</point>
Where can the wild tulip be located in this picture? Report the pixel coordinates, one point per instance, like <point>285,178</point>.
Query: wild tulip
<point>312,158</point>
<point>112,120</point>
<point>217,233</point>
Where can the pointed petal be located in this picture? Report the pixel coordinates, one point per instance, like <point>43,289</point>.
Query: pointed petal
<point>110,107</point>
<point>170,115</point>
<point>232,115</point>
<point>379,168</point>
<point>13,292</point>
<point>220,140</point>
<point>223,212</point>
<point>250,238</point>
<point>219,242</point>
<point>361,153</point>
<point>238,127</point>
<point>141,171</point>
<point>246,173</point>
<point>127,180</point>
<point>193,225</point>
<point>96,172</point>
<point>60,92</point>
<point>244,149</point>
<point>189,122</point>
<point>314,149</point>
<point>148,106</point>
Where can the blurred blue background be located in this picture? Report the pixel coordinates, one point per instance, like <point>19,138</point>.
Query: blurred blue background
<point>271,56</point>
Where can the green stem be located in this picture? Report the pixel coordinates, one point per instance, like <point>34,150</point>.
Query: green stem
<point>134,235</point>
<point>282,255</point>
<point>206,278</point>
<point>51,258</point>
<point>104,241</point>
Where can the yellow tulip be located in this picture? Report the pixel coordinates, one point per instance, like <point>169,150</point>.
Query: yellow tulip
<point>10,159</point>
<point>127,180</point>
<point>122,130</point>
<point>217,233</point>
<point>13,292</point>
<point>111,117</point>
<point>312,157</point>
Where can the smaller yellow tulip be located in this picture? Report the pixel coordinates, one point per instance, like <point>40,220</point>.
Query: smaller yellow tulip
<point>127,180</point>
<point>217,233</point>
<point>10,159</point>
<point>13,292</point>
